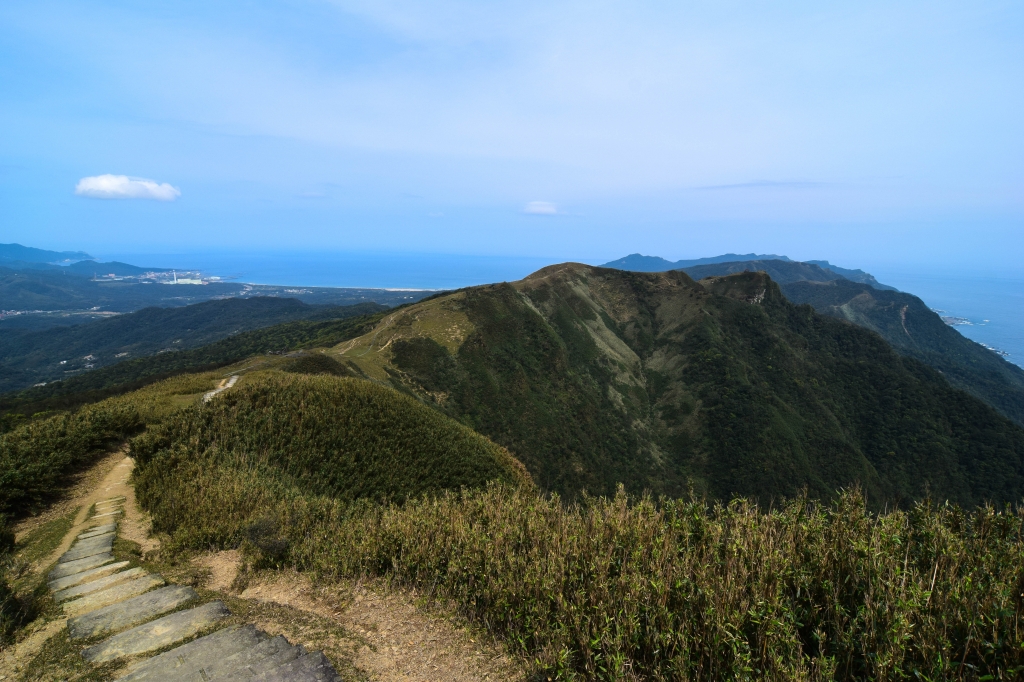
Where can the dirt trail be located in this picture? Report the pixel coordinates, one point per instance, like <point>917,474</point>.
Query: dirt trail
<point>393,639</point>
<point>387,636</point>
<point>107,478</point>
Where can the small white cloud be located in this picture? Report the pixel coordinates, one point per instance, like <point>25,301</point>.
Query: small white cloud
<point>124,187</point>
<point>541,208</point>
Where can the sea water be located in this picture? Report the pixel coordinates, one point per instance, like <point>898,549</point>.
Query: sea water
<point>359,270</point>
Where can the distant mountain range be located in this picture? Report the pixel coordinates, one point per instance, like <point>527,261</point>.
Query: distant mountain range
<point>18,257</point>
<point>750,262</point>
<point>28,254</point>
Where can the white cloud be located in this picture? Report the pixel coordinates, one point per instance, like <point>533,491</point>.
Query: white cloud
<point>124,187</point>
<point>541,208</point>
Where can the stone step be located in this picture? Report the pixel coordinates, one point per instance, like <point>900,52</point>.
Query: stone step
<point>98,584</point>
<point>117,498</point>
<point>107,514</point>
<point>94,541</point>
<point>85,576</point>
<point>189,659</point>
<point>312,667</point>
<point>111,595</point>
<point>88,550</point>
<point>157,634</point>
<point>69,567</point>
<point>97,530</point>
<point>100,508</point>
<point>262,659</point>
<point>130,612</point>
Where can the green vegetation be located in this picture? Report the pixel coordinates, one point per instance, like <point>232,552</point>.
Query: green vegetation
<point>613,589</point>
<point>134,374</point>
<point>38,459</point>
<point>916,331</point>
<point>594,377</point>
<point>346,438</point>
<point>28,358</point>
<point>23,594</point>
<point>901,319</point>
<point>317,363</point>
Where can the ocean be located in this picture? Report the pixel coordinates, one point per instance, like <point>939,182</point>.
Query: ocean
<point>993,305</point>
<point>358,270</point>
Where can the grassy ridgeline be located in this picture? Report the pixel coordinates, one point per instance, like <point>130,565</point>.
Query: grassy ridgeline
<point>605,589</point>
<point>346,438</point>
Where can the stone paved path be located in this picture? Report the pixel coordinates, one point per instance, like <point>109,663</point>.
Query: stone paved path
<point>119,612</point>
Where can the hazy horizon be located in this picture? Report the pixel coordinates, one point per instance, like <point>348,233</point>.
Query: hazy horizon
<point>871,136</point>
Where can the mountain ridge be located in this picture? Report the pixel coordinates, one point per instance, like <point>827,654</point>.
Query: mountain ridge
<point>594,376</point>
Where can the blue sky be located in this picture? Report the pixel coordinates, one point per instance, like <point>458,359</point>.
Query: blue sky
<point>867,133</point>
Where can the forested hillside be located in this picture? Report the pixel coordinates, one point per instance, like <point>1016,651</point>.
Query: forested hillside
<point>594,376</point>
<point>27,358</point>
<point>915,330</point>
<point>132,374</point>
<point>900,318</point>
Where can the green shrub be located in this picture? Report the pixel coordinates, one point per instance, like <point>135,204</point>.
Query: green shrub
<point>346,438</point>
<point>38,458</point>
<point>616,589</point>
<point>317,363</point>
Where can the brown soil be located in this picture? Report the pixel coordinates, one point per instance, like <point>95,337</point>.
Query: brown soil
<point>386,635</point>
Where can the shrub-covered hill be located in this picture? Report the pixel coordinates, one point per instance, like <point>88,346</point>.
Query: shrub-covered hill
<point>913,329</point>
<point>323,435</point>
<point>594,376</point>
<point>900,318</point>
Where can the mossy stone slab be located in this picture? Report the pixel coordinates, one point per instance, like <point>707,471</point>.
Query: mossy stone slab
<point>130,612</point>
<point>190,661</point>
<point>98,530</point>
<point>83,552</point>
<point>98,584</point>
<point>85,576</point>
<point>157,634</point>
<point>112,595</point>
<point>312,667</point>
<point>69,567</point>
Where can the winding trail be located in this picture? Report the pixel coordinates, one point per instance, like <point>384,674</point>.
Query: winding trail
<point>225,385</point>
<point>119,613</point>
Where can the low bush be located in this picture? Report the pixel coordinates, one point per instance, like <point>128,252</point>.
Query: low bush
<point>611,588</point>
<point>38,459</point>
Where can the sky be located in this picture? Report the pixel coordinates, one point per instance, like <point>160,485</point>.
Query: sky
<point>871,134</point>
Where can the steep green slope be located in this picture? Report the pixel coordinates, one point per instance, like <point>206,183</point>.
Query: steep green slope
<point>901,319</point>
<point>59,353</point>
<point>594,377</point>
<point>914,330</point>
<point>345,438</point>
